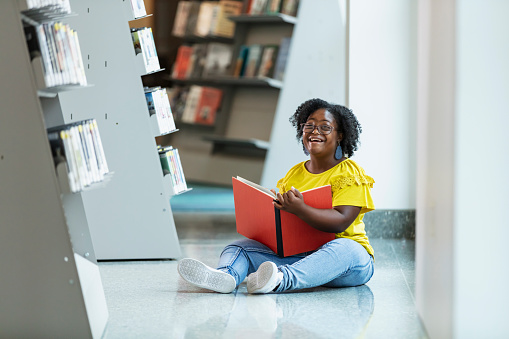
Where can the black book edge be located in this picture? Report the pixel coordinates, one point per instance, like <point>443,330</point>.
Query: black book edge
<point>279,233</point>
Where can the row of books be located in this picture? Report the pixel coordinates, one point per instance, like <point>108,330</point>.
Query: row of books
<point>202,60</point>
<point>58,46</point>
<point>144,44</point>
<point>138,7</point>
<point>79,146</point>
<point>206,18</point>
<point>262,60</point>
<point>61,6</point>
<point>270,7</point>
<point>196,104</point>
<point>159,104</point>
<point>171,165</point>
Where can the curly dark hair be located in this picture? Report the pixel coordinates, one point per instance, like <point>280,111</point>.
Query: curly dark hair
<point>345,119</point>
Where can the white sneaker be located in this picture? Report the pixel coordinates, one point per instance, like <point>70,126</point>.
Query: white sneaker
<point>265,279</point>
<point>201,275</point>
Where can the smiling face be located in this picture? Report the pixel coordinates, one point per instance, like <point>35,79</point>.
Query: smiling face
<point>319,144</point>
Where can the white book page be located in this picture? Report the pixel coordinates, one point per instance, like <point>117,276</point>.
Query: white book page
<point>258,187</point>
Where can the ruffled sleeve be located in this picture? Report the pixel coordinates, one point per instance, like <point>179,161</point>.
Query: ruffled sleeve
<point>352,187</point>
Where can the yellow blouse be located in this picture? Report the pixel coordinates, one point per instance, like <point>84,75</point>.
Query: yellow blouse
<point>350,186</point>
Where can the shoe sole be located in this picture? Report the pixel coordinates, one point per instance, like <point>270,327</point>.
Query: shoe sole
<point>199,274</point>
<point>264,279</point>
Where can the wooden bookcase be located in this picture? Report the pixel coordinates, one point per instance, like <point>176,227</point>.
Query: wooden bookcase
<point>252,136</point>
<point>238,142</point>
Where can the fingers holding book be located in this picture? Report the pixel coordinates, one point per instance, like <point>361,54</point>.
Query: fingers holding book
<point>290,201</point>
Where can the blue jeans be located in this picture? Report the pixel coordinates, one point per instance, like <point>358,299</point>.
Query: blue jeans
<point>339,263</point>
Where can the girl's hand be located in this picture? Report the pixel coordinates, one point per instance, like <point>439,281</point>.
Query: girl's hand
<point>291,201</point>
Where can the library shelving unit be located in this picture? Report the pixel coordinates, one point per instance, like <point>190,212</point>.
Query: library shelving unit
<point>254,114</point>
<point>238,143</point>
<point>50,284</point>
<point>131,218</point>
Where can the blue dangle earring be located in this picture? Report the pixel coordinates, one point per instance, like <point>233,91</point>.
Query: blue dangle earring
<point>339,152</point>
<point>305,150</point>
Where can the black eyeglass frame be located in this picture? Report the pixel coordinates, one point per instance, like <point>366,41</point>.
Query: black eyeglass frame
<point>319,127</point>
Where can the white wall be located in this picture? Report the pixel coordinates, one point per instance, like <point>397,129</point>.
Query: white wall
<point>382,90</point>
<point>481,176</point>
<point>382,87</point>
<point>461,273</point>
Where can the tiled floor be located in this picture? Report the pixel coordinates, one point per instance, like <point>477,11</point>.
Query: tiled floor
<point>149,300</point>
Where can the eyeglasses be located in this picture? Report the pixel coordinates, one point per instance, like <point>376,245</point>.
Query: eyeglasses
<point>322,129</point>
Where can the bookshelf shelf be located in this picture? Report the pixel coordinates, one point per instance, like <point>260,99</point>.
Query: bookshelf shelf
<point>140,17</point>
<point>63,180</point>
<point>208,38</point>
<point>52,92</point>
<point>156,71</point>
<point>246,147</point>
<point>36,17</point>
<point>264,19</point>
<point>231,81</point>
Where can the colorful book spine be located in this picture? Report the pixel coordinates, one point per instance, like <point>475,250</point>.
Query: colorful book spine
<point>79,146</point>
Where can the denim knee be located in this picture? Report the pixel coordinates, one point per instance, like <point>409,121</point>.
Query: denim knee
<point>248,244</point>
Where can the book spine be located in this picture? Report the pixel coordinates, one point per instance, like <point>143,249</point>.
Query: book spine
<point>279,233</point>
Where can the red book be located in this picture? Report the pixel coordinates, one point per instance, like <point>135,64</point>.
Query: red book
<point>281,231</point>
<point>184,54</point>
<point>207,107</point>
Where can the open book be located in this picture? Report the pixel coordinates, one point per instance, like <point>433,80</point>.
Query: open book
<point>281,231</point>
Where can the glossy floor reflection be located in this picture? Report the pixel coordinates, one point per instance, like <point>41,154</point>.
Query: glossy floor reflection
<point>149,300</point>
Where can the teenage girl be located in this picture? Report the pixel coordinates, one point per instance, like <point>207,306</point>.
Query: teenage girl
<point>330,135</point>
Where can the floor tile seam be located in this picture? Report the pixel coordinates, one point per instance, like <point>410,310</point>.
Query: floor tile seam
<point>403,273</point>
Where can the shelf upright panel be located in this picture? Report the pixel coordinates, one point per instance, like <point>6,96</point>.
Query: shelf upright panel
<point>131,217</point>
<point>43,288</point>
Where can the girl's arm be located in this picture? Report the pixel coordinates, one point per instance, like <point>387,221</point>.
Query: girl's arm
<point>334,220</point>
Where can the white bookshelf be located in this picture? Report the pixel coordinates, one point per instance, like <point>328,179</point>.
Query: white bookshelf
<point>131,217</point>
<point>50,282</point>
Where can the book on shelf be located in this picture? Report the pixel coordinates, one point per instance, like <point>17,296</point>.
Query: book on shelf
<point>197,61</point>
<point>181,65</point>
<point>282,57</point>
<point>172,166</point>
<point>268,61</point>
<point>221,24</point>
<point>290,7</point>
<point>253,60</point>
<point>283,232</point>
<point>217,60</point>
<point>80,146</point>
<point>273,7</point>
<point>240,62</point>
<point>202,105</point>
<point>143,41</point>
<point>178,98</point>
<point>205,17</point>
<point>180,23</point>
<point>192,18</point>
<point>158,104</point>
<point>138,7</point>
<point>257,7</point>
<point>57,46</point>
<point>58,6</point>
<point>202,60</point>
